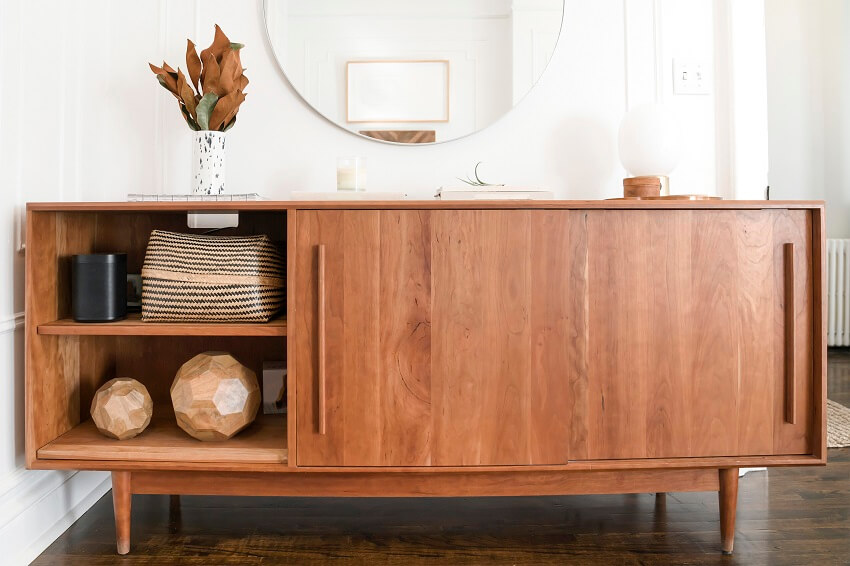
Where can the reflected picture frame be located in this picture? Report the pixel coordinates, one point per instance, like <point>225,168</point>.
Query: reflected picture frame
<point>397,91</point>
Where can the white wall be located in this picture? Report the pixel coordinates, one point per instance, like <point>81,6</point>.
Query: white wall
<point>104,127</point>
<point>808,72</point>
<point>82,118</point>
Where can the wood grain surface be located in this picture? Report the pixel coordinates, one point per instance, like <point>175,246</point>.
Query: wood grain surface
<point>687,333</point>
<point>163,441</point>
<point>122,505</point>
<point>548,405</point>
<point>133,326</point>
<point>443,345</point>
<point>417,484</point>
<point>728,503</point>
<point>429,204</point>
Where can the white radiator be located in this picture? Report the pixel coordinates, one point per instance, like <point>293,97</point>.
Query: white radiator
<point>838,292</point>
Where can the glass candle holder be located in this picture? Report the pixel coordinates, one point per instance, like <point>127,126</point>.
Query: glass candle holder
<point>351,174</point>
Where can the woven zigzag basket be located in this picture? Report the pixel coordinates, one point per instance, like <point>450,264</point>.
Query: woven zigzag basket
<point>212,278</point>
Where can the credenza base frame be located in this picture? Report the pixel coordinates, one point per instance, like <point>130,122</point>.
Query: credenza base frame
<point>424,484</point>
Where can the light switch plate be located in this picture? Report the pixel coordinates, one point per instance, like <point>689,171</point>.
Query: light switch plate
<point>691,76</point>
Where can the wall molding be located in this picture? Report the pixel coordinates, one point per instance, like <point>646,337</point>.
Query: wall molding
<point>38,506</point>
<point>741,104</point>
<point>11,323</point>
<point>22,488</point>
<point>642,62</point>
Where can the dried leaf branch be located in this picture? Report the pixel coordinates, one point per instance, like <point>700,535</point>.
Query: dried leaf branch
<point>210,97</point>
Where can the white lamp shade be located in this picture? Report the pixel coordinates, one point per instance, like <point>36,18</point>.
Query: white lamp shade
<point>650,141</point>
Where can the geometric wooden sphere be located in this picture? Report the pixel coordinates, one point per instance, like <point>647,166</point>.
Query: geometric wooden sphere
<point>121,408</point>
<point>214,396</point>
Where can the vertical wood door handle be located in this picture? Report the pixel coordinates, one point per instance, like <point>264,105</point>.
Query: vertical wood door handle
<point>790,337</point>
<point>321,333</point>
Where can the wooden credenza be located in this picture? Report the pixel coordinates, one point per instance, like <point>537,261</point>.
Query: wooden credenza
<point>462,349</point>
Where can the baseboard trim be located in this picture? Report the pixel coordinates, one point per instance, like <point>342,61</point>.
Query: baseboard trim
<point>12,323</point>
<point>23,488</point>
<point>41,506</point>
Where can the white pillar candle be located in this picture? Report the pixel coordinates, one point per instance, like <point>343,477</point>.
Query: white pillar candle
<point>351,174</point>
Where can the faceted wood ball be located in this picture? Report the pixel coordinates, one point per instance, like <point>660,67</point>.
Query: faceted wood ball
<point>122,408</point>
<point>214,396</point>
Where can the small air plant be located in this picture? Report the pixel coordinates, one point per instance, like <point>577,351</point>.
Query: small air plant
<point>477,182</point>
<point>218,80</point>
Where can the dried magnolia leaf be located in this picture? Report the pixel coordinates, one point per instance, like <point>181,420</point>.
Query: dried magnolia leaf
<point>187,95</point>
<point>166,67</point>
<point>181,83</point>
<point>193,64</point>
<point>238,59</point>
<point>231,116</point>
<point>229,72</point>
<point>166,87</point>
<point>156,70</point>
<point>217,47</point>
<point>241,81</point>
<point>165,78</point>
<point>225,109</point>
<point>211,75</point>
<point>230,125</point>
<point>189,120</point>
<point>205,109</point>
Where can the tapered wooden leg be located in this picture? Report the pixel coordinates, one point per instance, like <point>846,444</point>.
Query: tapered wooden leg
<point>728,503</point>
<point>121,502</point>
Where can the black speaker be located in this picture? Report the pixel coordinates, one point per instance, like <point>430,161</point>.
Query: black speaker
<point>99,287</point>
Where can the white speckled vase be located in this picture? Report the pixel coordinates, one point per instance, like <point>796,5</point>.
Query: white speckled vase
<point>208,163</point>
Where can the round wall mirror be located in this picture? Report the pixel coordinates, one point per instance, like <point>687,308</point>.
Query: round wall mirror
<point>413,71</point>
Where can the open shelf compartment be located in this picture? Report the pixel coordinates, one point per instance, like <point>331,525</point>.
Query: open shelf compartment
<point>68,361</point>
<point>154,361</point>
<point>264,441</point>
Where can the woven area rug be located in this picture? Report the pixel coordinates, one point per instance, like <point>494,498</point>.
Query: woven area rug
<point>837,425</point>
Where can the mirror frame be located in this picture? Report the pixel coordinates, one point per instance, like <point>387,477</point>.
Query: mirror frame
<point>387,142</point>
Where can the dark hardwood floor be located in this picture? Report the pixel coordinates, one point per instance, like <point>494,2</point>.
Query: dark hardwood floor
<point>795,516</point>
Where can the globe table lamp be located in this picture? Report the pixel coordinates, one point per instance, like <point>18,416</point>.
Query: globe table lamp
<point>650,148</point>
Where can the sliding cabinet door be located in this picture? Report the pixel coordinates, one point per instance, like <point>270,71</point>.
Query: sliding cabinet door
<point>437,338</point>
<point>700,327</point>
<point>363,338</point>
<point>507,335</point>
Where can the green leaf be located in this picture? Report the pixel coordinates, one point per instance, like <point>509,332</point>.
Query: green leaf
<point>477,182</point>
<point>236,46</point>
<point>477,165</point>
<point>205,108</point>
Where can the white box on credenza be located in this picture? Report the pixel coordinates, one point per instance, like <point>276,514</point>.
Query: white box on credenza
<point>493,193</point>
<point>274,388</point>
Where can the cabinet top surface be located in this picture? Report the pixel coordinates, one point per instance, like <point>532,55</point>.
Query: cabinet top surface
<point>282,205</point>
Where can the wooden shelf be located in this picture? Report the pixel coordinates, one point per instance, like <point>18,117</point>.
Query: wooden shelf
<point>163,441</point>
<point>133,326</point>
